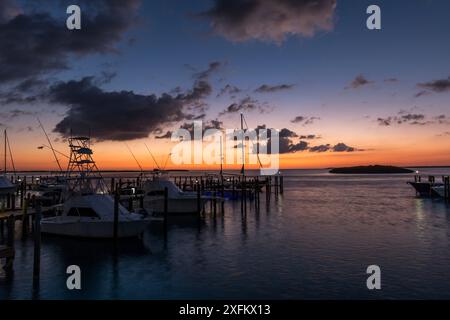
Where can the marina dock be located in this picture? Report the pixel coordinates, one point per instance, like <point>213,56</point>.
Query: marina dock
<point>21,211</point>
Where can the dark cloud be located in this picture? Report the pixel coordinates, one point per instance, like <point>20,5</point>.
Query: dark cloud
<point>320,148</point>
<point>340,147</point>
<point>309,137</point>
<point>358,82</point>
<point>270,20</point>
<point>270,89</point>
<point>391,80</point>
<point>8,10</point>
<point>117,115</point>
<point>166,135</point>
<point>245,105</point>
<point>212,68</point>
<point>409,118</point>
<point>385,121</point>
<point>230,90</point>
<point>439,86</point>
<point>442,119</point>
<point>286,133</point>
<point>291,142</point>
<point>304,120</point>
<point>189,126</point>
<point>301,146</point>
<point>33,44</point>
<point>422,93</point>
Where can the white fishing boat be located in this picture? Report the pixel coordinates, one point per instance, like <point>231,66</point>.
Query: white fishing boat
<point>87,210</point>
<point>92,216</point>
<point>179,202</point>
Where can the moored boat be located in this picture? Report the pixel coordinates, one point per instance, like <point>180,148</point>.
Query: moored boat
<point>87,210</point>
<point>179,202</point>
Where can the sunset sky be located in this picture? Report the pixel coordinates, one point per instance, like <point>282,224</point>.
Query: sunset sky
<point>138,70</point>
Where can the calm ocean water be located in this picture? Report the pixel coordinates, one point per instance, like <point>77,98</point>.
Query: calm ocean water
<point>314,242</point>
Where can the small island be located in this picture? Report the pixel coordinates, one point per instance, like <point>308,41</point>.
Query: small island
<point>376,169</point>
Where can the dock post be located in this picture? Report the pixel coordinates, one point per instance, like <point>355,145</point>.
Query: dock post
<point>11,224</point>
<point>447,189</point>
<point>116,217</point>
<point>222,195</point>
<point>2,230</point>
<point>113,184</point>
<point>13,201</point>
<point>37,248</point>
<point>25,219</point>
<point>130,203</point>
<point>8,201</point>
<point>215,202</point>
<point>198,202</point>
<point>281,184</point>
<point>23,186</point>
<point>166,210</point>
<point>141,202</point>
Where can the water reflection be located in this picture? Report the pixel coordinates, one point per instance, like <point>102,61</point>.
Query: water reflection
<point>314,241</point>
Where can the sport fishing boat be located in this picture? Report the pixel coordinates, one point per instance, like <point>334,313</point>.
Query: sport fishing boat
<point>179,202</point>
<point>87,210</point>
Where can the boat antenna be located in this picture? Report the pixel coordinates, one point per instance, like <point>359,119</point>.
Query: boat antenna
<point>221,157</point>
<point>242,145</point>
<point>135,159</point>
<point>167,159</point>
<point>4,171</point>
<point>10,153</point>
<point>50,143</point>
<point>257,149</point>
<point>151,154</point>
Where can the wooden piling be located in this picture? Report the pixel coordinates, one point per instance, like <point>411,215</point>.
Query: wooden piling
<point>25,219</point>
<point>37,247</point>
<point>166,210</point>
<point>281,184</point>
<point>116,217</point>
<point>198,202</point>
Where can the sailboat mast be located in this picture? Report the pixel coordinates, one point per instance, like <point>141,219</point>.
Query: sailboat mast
<point>4,172</point>
<point>242,145</point>
<point>221,157</point>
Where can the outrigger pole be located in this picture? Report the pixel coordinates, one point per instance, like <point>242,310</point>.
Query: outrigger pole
<point>151,154</point>
<point>50,143</point>
<point>135,159</point>
<point>4,172</point>
<point>242,145</point>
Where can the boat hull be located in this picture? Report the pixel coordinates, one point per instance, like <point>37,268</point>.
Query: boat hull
<point>425,189</point>
<point>92,229</point>
<point>174,206</point>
